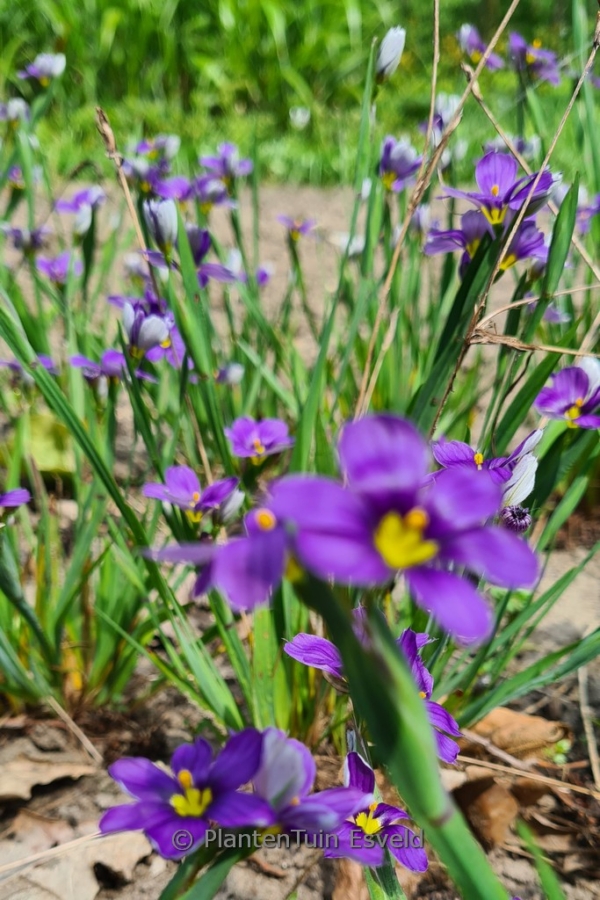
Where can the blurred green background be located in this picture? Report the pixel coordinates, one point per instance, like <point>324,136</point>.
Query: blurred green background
<point>234,68</point>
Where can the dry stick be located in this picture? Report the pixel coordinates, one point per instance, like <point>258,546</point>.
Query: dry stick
<point>43,855</point>
<point>530,776</point>
<point>422,183</point>
<point>527,300</point>
<point>518,219</point>
<point>488,337</point>
<point>110,143</point>
<point>75,729</point>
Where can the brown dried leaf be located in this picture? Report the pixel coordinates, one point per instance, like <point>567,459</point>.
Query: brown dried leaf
<point>350,882</point>
<point>20,775</point>
<point>519,734</point>
<point>490,808</point>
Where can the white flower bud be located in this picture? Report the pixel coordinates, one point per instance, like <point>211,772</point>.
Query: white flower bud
<point>390,53</point>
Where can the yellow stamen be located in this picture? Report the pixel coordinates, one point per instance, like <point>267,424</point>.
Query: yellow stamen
<point>258,446</point>
<point>166,343</point>
<point>388,178</point>
<point>495,190</point>
<point>265,520</point>
<point>508,261</point>
<point>193,802</point>
<point>400,540</point>
<point>478,460</point>
<point>366,821</point>
<point>574,412</point>
<point>194,515</point>
<point>422,695</point>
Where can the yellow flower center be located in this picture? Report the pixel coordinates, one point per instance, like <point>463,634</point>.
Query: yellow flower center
<point>476,55</point>
<point>478,460</point>
<point>44,81</point>
<point>145,187</point>
<point>193,802</point>
<point>537,43</point>
<point>265,520</point>
<point>507,262</point>
<point>472,248</point>
<point>205,208</point>
<point>259,447</point>
<point>366,821</point>
<point>295,233</point>
<point>494,216</point>
<point>574,412</point>
<point>388,178</point>
<point>422,695</point>
<point>399,539</point>
<point>293,570</point>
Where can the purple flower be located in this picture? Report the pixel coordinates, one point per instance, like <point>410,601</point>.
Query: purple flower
<point>285,780</point>
<point>211,191</point>
<point>182,489</point>
<point>162,147</point>
<point>320,653</point>
<point>450,454</point>
<point>144,174</point>
<point>297,227</point>
<point>365,836</point>
<point>231,374</point>
<point>246,569</point>
<point>573,394</point>
<point>471,44</point>
<point>200,243</point>
<point>161,219</point>
<point>112,365</point>
<point>398,163</point>
<point>25,240</point>
<point>15,111</point>
<point>44,68</point>
<point>14,498</point>
<point>258,439</point>
<point>531,59</point>
<point>48,364</point>
<point>392,518</point>
<point>144,330</point>
<point>199,792</point>
<point>57,268</point>
<point>92,196</point>
<point>467,238</point>
<point>227,165</point>
<point>499,188</point>
<point>175,188</point>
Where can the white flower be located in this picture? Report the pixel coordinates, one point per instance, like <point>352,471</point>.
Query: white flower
<point>299,117</point>
<point>390,53</point>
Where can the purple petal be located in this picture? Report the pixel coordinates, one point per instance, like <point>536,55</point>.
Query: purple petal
<point>247,570</point>
<point>496,173</point>
<point>388,814</point>
<point>447,749</point>
<point>182,481</point>
<point>316,652</point>
<point>16,497</point>
<point>441,718</point>
<point>238,761</point>
<point>236,810</point>
<point>496,554</point>
<point>382,452</point>
<point>197,554</point>
<point>408,854</point>
<point>458,500</point>
<point>324,811</point>
<point>349,842</point>
<point>176,836</point>
<point>453,453</point>
<point>588,422</point>
<point>143,779</point>
<point>133,816</point>
<point>455,603</point>
<point>358,773</point>
<point>567,386</point>
<point>408,643</point>
<point>194,758</point>
<point>215,494</point>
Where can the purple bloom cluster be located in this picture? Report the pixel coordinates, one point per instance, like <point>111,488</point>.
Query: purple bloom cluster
<point>257,440</point>
<point>389,518</point>
<point>321,654</point>
<point>176,809</point>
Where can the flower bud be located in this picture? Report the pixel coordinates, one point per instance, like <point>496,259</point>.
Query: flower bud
<point>390,53</point>
<point>515,518</point>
